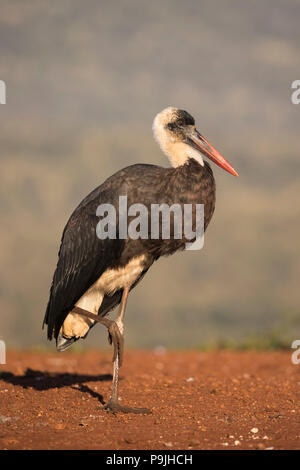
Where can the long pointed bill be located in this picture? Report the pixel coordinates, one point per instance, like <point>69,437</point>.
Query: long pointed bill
<point>202,145</point>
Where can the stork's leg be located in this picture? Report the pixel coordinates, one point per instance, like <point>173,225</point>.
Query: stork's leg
<point>113,403</point>
<point>114,335</point>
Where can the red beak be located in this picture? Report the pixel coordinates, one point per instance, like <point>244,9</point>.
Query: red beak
<point>209,151</point>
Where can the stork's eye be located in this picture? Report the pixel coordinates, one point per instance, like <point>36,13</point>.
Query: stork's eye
<point>171,126</point>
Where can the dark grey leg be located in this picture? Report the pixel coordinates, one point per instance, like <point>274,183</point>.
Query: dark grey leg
<point>115,337</point>
<point>113,404</point>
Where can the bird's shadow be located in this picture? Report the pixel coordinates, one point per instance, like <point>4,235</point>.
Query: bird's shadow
<point>40,381</point>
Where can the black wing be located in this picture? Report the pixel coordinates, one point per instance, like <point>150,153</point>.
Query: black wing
<point>82,257</point>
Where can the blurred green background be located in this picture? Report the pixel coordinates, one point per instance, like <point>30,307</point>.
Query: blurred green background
<point>84,82</point>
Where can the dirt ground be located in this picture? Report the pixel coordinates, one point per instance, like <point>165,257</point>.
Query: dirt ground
<point>199,400</point>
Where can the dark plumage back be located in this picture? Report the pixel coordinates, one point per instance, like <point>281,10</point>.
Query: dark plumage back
<point>83,257</point>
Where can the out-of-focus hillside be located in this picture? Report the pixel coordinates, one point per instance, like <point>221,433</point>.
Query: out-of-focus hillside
<point>84,81</point>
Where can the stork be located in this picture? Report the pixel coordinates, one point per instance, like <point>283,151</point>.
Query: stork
<point>95,275</point>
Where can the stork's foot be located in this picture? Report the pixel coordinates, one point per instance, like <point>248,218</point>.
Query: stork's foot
<point>114,407</point>
<point>116,338</point>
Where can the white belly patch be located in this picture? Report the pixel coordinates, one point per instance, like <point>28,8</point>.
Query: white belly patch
<point>108,283</point>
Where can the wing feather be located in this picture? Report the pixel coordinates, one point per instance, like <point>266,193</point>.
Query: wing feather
<point>82,258</point>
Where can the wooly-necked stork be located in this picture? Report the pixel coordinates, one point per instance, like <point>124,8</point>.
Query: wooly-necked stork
<point>94,275</point>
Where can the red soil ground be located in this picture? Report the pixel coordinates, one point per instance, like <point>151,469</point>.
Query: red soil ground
<point>199,400</point>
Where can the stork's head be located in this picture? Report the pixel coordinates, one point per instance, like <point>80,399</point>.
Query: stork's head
<point>175,131</point>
